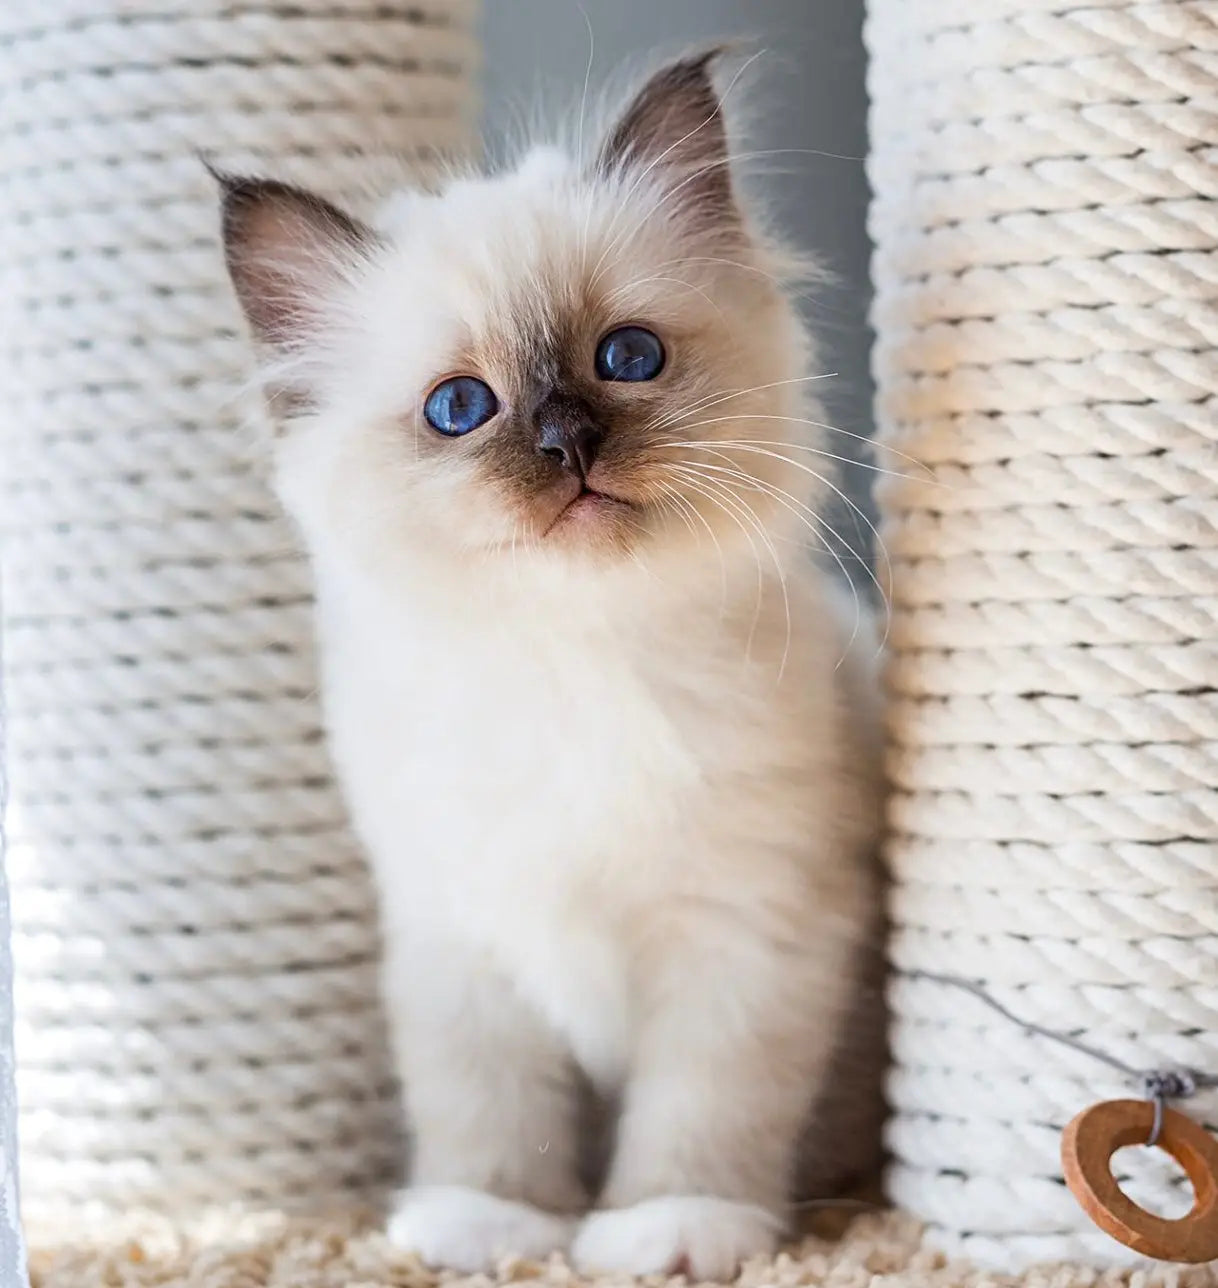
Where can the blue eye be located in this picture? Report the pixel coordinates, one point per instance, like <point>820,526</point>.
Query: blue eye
<point>456,406</point>
<point>630,353</point>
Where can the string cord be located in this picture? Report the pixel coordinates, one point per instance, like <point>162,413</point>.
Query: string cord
<point>1159,1086</point>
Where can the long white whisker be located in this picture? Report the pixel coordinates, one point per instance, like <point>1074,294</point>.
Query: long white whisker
<point>805,447</point>
<point>674,419</point>
<point>883,549</point>
<point>810,519</point>
<point>738,502</point>
<point>930,477</point>
<point>688,508</point>
<point>929,474</point>
<point>725,395</point>
<point>669,500</point>
<point>701,488</point>
<point>755,519</point>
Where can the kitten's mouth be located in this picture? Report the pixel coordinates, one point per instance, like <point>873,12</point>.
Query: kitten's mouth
<point>588,505</point>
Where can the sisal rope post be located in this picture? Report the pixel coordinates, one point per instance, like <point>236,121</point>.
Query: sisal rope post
<point>194,935</point>
<point>13,1268</point>
<point>1046,273</point>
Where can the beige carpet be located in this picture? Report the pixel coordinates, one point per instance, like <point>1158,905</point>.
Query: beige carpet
<point>275,1251</point>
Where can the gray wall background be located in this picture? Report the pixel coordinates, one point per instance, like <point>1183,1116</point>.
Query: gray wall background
<point>808,101</point>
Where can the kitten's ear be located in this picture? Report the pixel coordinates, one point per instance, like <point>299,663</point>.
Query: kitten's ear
<point>674,128</point>
<point>286,250</point>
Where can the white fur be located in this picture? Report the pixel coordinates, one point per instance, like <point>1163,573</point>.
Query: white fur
<point>619,808</point>
<point>702,1238</point>
<point>463,1229</point>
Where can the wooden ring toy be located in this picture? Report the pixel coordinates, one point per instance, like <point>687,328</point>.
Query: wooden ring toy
<point>1088,1145</point>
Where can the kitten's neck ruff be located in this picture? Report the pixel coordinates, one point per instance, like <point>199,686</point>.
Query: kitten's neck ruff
<point>536,589</point>
<point>682,618</point>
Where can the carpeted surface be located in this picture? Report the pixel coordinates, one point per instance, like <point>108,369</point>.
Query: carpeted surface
<point>275,1251</point>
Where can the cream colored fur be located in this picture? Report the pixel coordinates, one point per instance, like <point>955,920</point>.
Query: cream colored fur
<point>619,797</point>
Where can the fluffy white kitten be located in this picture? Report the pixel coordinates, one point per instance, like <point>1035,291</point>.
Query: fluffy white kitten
<point>600,722</point>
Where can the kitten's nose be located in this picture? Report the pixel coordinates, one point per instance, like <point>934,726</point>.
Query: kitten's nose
<point>566,434</point>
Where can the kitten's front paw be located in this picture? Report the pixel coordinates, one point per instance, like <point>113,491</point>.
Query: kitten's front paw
<point>468,1230</point>
<point>703,1238</point>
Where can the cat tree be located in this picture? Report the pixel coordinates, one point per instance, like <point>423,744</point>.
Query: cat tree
<point>194,939</point>
<point>1046,273</point>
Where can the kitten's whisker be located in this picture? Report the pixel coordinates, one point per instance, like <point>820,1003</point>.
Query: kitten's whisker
<point>853,505</point>
<point>687,508</point>
<point>710,532</point>
<point>739,502</point>
<point>637,560</point>
<point>714,448</point>
<point>700,488</point>
<point>755,520</point>
<point>825,545</point>
<point>819,451</point>
<point>854,590</point>
<point>782,582</point>
<point>814,523</point>
<point>803,513</point>
<point>676,420</point>
<point>725,395</point>
<point>887,562</point>
<point>672,419</point>
<point>666,502</point>
<point>879,540</point>
<point>929,475</point>
<point>671,498</point>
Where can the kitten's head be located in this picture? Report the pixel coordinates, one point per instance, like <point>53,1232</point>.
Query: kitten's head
<point>575,360</point>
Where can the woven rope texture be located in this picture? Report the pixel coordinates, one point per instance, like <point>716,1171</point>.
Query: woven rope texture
<point>1046,274</point>
<point>194,936</point>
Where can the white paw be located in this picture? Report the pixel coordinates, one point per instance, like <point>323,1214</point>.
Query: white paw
<point>703,1238</point>
<point>467,1230</point>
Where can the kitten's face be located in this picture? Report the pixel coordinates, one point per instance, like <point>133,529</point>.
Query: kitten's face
<point>565,360</point>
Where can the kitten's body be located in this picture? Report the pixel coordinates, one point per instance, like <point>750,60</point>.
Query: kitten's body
<point>616,773</point>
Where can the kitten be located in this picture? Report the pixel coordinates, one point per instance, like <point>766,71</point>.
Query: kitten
<point>600,722</point>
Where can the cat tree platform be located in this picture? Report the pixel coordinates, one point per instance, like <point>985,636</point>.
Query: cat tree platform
<point>272,1251</point>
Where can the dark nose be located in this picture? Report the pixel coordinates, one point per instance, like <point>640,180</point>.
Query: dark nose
<point>567,434</point>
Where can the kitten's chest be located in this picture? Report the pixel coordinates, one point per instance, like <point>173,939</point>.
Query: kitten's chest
<point>530,801</point>
<point>509,758</point>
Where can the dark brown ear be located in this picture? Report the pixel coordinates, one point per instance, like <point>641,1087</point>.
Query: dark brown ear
<point>285,249</point>
<point>674,128</point>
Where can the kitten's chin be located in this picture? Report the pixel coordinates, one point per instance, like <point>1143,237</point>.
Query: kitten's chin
<point>592,519</point>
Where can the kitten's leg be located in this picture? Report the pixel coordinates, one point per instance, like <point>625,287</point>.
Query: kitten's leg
<point>492,1103</point>
<point>739,1031</point>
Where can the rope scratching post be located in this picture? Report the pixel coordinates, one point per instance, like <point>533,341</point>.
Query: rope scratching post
<point>194,939</point>
<point>12,1246</point>
<point>1046,275</point>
